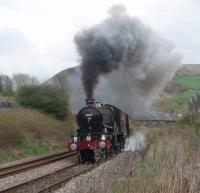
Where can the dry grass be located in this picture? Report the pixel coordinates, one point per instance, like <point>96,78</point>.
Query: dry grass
<point>171,165</point>
<point>25,131</point>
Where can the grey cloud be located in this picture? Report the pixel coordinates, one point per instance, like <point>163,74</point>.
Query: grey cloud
<point>7,2</point>
<point>12,40</point>
<point>18,55</point>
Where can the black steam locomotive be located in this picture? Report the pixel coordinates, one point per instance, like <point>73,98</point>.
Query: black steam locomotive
<point>102,131</point>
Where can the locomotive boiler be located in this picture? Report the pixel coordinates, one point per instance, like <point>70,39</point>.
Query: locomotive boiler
<point>102,131</point>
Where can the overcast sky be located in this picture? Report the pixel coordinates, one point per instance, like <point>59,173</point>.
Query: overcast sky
<point>36,36</point>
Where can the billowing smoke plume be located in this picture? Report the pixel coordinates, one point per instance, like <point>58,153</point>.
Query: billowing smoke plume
<point>134,59</point>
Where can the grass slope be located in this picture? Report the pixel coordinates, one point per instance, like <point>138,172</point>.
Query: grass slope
<point>176,101</point>
<point>170,164</point>
<point>25,132</point>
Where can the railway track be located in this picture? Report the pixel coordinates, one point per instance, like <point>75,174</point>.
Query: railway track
<point>60,183</point>
<point>63,181</point>
<point>48,182</point>
<point>25,166</point>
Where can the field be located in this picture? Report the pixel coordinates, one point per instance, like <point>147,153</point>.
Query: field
<point>176,99</point>
<point>191,82</point>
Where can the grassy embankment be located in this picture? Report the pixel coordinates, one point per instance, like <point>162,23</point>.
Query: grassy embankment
<point>25,132</point>
<point>181,89</point>
<point>171,163</point>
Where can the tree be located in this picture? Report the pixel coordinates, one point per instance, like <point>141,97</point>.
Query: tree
<point>6,85</point>
<point>21,80</point>
<point>50,99</point>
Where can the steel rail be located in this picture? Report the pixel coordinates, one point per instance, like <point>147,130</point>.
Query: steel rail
<point>24,185</point>
<point>60,183</point>
<point>53,180</point>
<point>21,167</point>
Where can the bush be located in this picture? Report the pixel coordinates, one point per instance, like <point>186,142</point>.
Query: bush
<point>50,99</point>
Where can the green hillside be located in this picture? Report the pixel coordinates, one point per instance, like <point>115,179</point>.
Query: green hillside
<point>191,82</point>
<point>181,89</point>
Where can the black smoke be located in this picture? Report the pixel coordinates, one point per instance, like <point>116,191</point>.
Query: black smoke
<point>125,47</point>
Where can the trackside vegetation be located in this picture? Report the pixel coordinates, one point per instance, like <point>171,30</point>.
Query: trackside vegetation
<point>25,132</point>
<point>171,162</point>
<point>39,120</point>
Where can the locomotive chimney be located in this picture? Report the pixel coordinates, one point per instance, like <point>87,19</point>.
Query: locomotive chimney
<point>89,101</point>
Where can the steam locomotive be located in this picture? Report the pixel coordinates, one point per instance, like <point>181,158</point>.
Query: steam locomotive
<point>102,131</point>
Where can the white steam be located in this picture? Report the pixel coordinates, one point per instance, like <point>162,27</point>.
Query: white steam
<point>135,142</point>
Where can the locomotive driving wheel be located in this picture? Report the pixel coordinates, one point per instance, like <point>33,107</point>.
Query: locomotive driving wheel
<point>80,159</point>
<point>97,155</point>
<point>104,154</point>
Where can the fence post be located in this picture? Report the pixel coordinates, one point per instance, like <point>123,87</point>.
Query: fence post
<point>198,103</point>
<point>190,106</point>
<point>194,105</point>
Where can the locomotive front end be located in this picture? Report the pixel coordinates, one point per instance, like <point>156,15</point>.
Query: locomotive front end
<point>91,141</point>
